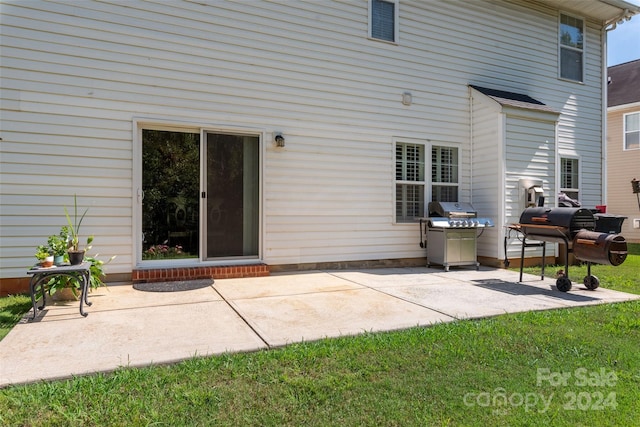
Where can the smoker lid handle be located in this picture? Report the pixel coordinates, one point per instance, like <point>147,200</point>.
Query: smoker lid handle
<point>539,219</point>
<point>547,227</point>
<point>587,242</point>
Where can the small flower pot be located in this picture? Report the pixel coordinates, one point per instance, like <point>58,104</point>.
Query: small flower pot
<point>58,259</point>
<point>47,262</point>
<point>76,257</point>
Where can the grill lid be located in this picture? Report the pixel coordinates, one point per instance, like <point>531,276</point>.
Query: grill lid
<point>556,221</point>
<point>452,210</point>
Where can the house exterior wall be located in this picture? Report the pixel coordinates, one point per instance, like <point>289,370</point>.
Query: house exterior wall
<point>622,166</point>
<point>78,76</point>
<point>531,153</point>
<point>488,145</point>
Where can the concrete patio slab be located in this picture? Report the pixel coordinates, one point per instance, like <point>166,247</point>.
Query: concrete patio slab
<point>114,334</point>
<point>282,284</point>
<point>306,317</point>
<point>126,327</point>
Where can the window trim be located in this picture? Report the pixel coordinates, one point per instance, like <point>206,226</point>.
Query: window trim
<point>396,14</point>
<point>428,182</point>
<point>577,189</point>
<point>624,131</point>
<point>172,124</point>
<point>561,46</point>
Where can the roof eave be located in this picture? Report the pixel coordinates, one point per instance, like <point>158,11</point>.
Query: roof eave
<point>604,11</point>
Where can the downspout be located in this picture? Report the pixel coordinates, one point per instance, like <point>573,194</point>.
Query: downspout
<point>470,145</point>
<point>605,102</point>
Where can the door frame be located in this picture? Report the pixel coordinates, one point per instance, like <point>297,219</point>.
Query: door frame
<point>136,190</point>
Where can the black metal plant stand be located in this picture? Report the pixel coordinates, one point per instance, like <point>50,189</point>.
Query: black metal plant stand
<point>41,276</point>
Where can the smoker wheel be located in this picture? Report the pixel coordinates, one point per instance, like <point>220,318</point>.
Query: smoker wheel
<point>563,284</point>
<point>591,282</point>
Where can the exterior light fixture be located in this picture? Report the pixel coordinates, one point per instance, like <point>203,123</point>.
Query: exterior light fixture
<point>279,140</point>
<point>406,98</point>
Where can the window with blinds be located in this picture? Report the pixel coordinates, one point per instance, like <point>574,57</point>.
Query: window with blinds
<point>411,165</point>
<point>569,175</point>
<point>382,19</point>
<point>410,182</point>
<point>444,174</point>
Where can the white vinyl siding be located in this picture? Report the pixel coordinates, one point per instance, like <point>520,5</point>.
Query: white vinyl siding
<point>488,169</point>
<point>77,75</point>
<point>530,153</point>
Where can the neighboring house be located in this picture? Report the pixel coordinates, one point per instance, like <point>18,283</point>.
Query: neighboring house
<point>623,145</point>
<point>291,134</point>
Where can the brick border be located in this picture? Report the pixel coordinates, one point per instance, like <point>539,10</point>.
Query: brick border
<point>193,273</point>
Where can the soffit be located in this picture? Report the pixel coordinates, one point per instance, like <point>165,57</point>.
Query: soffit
<point>599,10</point>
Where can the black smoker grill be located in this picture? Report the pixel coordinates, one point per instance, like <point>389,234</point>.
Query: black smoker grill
<point>450,234</point>
<point>573,227</point>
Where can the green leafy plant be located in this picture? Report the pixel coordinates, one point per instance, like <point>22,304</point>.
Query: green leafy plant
<point>42,252</point>
<point>96,276</point>
<point>97,271</point>
<point>74,226</point>
<point>59,243</point>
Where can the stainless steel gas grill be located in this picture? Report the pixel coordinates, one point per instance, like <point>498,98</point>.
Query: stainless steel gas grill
<point>574,229</point>
<point>450,234</point>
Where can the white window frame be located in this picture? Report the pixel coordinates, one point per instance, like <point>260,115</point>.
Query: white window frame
<point>571,48</point>
<point>427,184</point>
<point>455,183</point>
<point>417,182</point>
<point>572,192</point>
<point>396,14</point>
<point>625,131</point>
<point>172,125</point>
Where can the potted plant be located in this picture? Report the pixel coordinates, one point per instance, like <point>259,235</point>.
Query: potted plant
<point>76,254</point>
<point>67,288</point>
<point>58,245</point>
<point>44,256</point>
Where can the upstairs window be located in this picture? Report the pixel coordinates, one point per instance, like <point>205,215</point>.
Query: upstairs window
<point>383,19</point>
<point>571,40</point>
<point>569,176</point>
<point>632,131</point>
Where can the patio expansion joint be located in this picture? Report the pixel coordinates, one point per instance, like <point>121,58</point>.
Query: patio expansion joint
<point>246,322</point>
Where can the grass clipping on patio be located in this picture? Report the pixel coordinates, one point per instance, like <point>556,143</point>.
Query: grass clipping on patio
<point>472,373</point>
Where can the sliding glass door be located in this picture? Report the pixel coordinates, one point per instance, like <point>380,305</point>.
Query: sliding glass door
<point>171,189</point>
<point>232,196</point>
<point>200,198</point>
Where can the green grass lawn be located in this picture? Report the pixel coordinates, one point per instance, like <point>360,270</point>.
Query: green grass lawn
<point>624,278</point>
<point>567,367</point>
<point>12,308</point>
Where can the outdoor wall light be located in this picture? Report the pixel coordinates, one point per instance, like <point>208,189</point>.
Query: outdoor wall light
<point>279,140</point>
<point>406,98</point>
